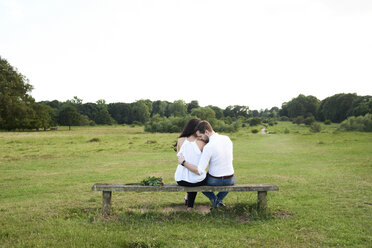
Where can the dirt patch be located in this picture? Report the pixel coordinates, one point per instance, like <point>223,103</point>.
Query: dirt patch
<point>282,214</point>
<point>203,209</point>
<point>243,219</point>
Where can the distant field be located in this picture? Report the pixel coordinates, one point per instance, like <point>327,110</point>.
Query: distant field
<point>325,196</point>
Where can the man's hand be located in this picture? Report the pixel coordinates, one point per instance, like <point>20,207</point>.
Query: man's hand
<point>187,165</point>
<point>180,159</point>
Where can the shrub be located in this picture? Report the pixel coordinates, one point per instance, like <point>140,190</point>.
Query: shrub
<point>284,118</point>
<point>94,140</point>
<point>360,123</point>
<point>286,130</point>
<point>299,120</point>
<point>176,124</point>
<point>309,120</point>
<point>315,127</point>
<point>137,123</point>
<point>255,121</point>
<point>221,126</point>
<point>254,131</point>
<point>327,122</point>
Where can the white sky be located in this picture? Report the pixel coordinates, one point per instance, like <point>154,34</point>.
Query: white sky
<point>254,53</point>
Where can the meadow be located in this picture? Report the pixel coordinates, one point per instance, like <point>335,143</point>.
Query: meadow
<point>325,196</point>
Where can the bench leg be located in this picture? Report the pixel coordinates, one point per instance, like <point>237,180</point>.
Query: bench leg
<point>262,200</point>
<point>106,202</point>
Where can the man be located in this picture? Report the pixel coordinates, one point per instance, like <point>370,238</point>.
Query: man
<point>218,153</point>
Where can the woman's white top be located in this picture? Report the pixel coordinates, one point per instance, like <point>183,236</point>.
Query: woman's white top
<point>192,154</point>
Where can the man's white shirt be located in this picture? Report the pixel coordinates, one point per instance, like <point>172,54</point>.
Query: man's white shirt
<point>218,153</point>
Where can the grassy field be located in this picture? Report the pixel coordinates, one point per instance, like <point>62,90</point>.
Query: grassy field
<point>325,196</point>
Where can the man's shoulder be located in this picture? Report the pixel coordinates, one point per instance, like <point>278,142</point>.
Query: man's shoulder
<point>224,137</point>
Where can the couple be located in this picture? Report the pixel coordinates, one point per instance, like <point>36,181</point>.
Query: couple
<point>197,147</point>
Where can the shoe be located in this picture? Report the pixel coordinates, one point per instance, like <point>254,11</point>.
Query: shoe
<point>221,205</point>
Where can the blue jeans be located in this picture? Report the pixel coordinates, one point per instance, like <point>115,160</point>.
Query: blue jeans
<point>216,199</point>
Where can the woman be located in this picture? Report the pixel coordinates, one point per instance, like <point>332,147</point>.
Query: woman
<point>191,148</point>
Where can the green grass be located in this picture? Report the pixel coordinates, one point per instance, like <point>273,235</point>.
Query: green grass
<point>325,196</point>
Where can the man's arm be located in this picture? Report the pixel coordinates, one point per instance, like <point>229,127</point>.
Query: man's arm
<point>203,163</point>
<point>187,165</point>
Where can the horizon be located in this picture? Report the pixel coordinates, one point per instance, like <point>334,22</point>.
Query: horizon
<point>83,102</point>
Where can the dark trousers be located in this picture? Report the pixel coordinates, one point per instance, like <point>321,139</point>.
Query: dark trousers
<point>191,195</point>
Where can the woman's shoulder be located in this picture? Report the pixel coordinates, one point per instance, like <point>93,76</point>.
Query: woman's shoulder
<point>180,143</point>
<point>200,144</point>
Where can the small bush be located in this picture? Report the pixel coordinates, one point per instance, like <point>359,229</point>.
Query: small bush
<point>327,122</point>
<point>360,123</point>
<point>309,120</point>
<point>95,140</point>
<point>315,128</point>
<point>286,131</point>
<point>284,118</point>
<point>299,120</point>
<point>255,121</point>
<point>254,131</point>
<point>137,123</point>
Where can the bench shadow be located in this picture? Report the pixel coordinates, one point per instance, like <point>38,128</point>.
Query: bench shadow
<point>238,213</point>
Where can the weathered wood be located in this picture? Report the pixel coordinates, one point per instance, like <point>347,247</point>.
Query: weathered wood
<point>106,202</point>
<point>177,188</point>
<point>262,200</point>
<point>107,189</point>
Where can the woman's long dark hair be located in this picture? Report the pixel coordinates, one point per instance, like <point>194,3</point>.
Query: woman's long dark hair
<point>188,130</point>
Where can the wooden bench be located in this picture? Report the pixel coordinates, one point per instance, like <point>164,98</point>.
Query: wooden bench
<point>107,189</point>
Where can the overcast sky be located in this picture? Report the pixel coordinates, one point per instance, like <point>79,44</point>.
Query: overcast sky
<point>254,53</point>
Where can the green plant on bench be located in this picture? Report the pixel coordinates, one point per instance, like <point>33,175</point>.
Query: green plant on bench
<point>152,181</point>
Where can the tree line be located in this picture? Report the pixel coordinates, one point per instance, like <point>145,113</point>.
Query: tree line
<point>19,111</point>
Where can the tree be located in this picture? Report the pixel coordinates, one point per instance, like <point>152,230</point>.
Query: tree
<point>361,106</point>
<point>69,116</point>
<point>178,108</point>
<point>302,105</point>
<point>236,111</point>
<point>204,113</point>
<point>89,109</point>
<point>140,112</point>
<point>336,108</point>
<point>218,111</point>
<point>102,115</point>
<point>255,113</point>
<point>120,112</point>
<point>15,101</point>
<point>160,108</point>
<point>192,105</point>
<point>44,116</point>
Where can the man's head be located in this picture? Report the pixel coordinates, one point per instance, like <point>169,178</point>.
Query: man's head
<point>204,129</point>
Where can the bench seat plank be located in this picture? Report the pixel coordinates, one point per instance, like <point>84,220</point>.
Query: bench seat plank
<point>177,188</point>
